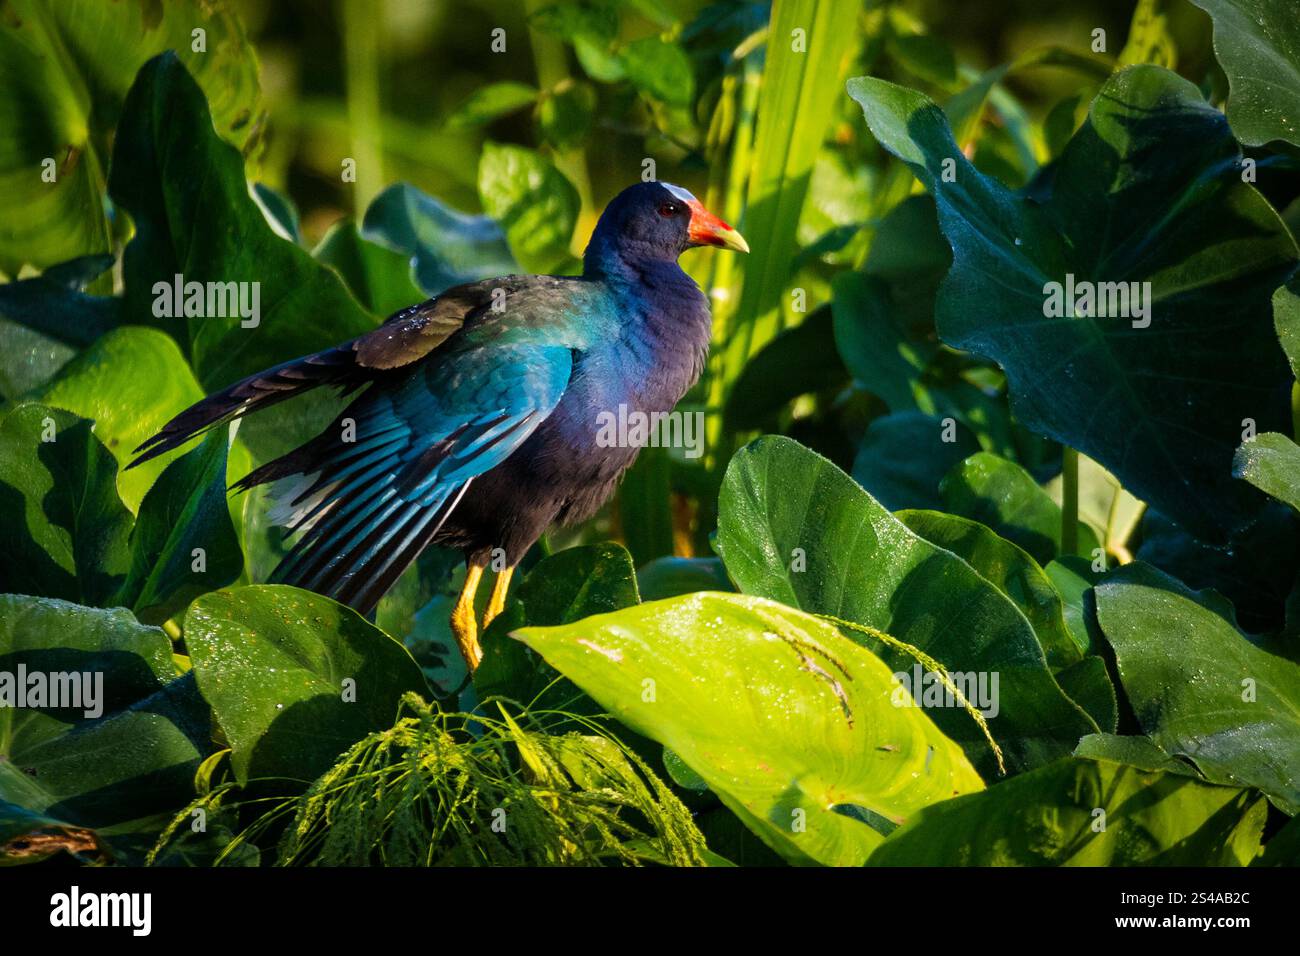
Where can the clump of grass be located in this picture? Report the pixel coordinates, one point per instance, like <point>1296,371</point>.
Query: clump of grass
<point>467,789</point>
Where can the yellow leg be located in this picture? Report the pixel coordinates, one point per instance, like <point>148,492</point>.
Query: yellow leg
<point>497,603</point>
<point>463,625</point>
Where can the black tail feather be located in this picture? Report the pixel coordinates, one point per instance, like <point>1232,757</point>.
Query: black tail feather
<point>332,367</point>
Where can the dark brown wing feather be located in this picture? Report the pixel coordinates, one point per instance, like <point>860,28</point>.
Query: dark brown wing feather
<point>406,337</point>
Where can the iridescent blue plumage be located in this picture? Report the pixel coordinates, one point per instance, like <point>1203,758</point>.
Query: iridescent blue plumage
<point>477,418</point>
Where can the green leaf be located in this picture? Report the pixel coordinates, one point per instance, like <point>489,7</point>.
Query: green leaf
<point>1073,577</point>
<point>671,577</point>
<point>884,316</point>
<point>798,361</point>
<point>903,458</point>
<point>294,678</point>
<point>68,531</point>
<point>65,68</point>
<point>280,212</point>
<point>796,105</point>
<point>54,304</point>
<point>45,319</point>
<point>1284,848</point>
<point>129,383</point>
<point>925,57</point>
<point>183,543</point>
<point>445,247</point>
<point>1010,570</point>
<point>194,217</point>
<point>380,278</point>
<point>1271,462</point>
<point>792,527</point>
<point>1002,495</point>
<point>1258,46</point>
<point>1199,689</point>
<point>1137,752</point>
<point>1145,192</point>
<point>661,69</point>
<point>1049,818</point>
<point>491,102</point>
<point>1286,318</point>
<point>134,759</point>
<point>532,201</point>
<point>564,114</point>
<point>1087,682</point>
<point>740,707</point>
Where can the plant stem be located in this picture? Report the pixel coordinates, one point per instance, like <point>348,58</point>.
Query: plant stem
<point>1069,501</point>
<point>552,65</point>
<point>361,20</point>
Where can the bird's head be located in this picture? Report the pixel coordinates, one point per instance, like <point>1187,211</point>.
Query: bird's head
<point>659,221</point>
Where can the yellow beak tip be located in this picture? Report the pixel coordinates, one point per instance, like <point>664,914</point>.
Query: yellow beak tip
<point>734,240</point>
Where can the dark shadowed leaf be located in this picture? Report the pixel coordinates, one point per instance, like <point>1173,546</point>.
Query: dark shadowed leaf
<point>1149,190</point>
<point>183,543</point>
<point>1002,495</point>
<point>670,577</point>
<point>1048,818</point>
<point>444,247</point>
<point>1199,688</point>
<point>1258,46</point>
<point>904,456</point>
<point>185,190</point>
<point>68,528</point>
<point>133,759</point>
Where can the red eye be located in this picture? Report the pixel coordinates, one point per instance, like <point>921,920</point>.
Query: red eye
<point>668,210</point>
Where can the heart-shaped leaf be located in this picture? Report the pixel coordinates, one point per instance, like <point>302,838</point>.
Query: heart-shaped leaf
<point>294,678</point>
<point>129,383</point>
<point>1258,46</point>
<point>792,527</point>
<point>1199,689</point>
<point>65,68</point>
<point>1148,211</point>
<point>443,246</point>
<point>125,751</point>
<point>195,219</point>
<point>792,724</point>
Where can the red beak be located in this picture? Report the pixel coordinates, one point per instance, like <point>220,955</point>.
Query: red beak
<point>707,229</point>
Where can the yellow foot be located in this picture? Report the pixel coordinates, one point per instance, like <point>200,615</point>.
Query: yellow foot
<point>497,603</point>
<point>463,626</point>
